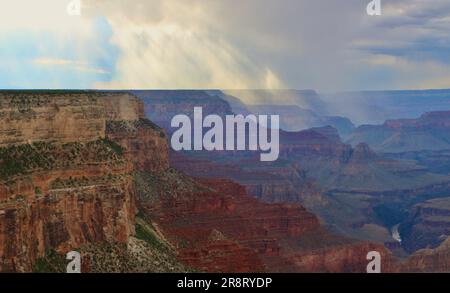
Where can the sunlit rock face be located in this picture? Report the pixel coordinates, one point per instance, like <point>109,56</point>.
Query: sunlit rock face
<point>66,167</point>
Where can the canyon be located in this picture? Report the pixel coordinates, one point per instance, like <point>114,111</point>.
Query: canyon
<point>201,217</point>
<point>191,135</point>
<point>428,132</point>
<point>88,171</point>
<point>318,170</point>
<point>64,182</point>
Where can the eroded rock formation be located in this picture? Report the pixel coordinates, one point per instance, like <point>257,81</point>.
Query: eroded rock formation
<point>66,170</point>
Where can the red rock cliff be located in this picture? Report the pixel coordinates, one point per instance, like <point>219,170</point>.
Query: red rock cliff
<point>217,227</point>
<point>62,184</point>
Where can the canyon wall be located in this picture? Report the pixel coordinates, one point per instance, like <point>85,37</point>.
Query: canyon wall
<point>427,226</point>
<point>28,117</point>
<point>217,227</point>
<point>74,167</point>
<point>66,167</point>
<point>428,260</point>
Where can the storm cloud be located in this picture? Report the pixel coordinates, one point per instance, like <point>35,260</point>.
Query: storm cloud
<point>328,45</point>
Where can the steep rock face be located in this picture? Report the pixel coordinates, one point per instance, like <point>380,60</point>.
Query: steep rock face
<point>274,183</point>
<point>62,117</point>
<point>338,166</point>
<point>122,106</point>
<point>217,227</point>
<point>27,117</point>
<point>62,183</point>
<point>63,220</point>
<point>428,132</point>
<point>427,226</point>
<point>341,257</point>
<point>144,143</point>
<point>85,195</point>
<point>429,260</point>
<point>363,154</point>
<point>330,178</point>
<point>323,142</point>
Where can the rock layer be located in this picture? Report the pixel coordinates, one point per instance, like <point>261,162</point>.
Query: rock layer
<point>66,171</point>
<point>217,227</point>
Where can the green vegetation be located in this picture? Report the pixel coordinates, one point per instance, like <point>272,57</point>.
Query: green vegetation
<point>52,262</point>
<point>133,126</point>
<point>26,100</point>
<point>114,146</point>
<point>147,123</point>
<point>26,158</point>
<point>84,181</point>
<point>17,160</point>
<point>147,253</point>
<point>146,232</point>
<point>167,184</point>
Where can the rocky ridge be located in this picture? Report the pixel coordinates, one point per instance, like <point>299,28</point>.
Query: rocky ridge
<point>65,182</point>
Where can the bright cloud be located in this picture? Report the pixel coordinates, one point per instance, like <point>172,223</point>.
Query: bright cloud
<point>169,56</point>
<point>43,47</point>
<point>71,64</point>
<point>321,44</point>
<point>179,45</point>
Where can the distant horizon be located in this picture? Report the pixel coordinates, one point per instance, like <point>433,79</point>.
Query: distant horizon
<point>218,89</point>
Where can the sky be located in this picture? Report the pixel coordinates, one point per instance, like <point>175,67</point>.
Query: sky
<point>324,45</point>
